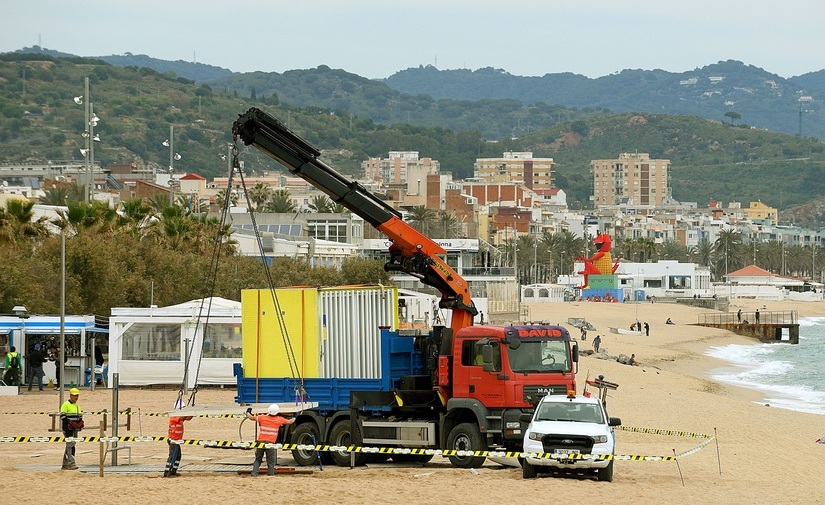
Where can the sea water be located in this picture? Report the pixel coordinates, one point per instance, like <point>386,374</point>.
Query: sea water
<point>789,376</point>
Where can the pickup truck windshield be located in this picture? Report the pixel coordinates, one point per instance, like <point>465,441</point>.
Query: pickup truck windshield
<point>540,356</point>
<point>567,411</point>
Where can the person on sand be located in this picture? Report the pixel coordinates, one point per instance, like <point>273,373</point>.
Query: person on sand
<point>71,420</point>
<point>632,360</point>
<point>269,425</point>
<point>597,342</point>
<point>175,434</point>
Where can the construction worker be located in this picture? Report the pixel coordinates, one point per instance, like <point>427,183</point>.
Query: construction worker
<point>268,434</point>
<point>175,434</point>
<point>71,419</point>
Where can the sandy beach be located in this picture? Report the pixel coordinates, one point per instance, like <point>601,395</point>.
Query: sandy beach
<point>762,454</point>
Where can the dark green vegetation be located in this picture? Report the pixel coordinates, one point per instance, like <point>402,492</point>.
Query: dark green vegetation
<point>711,160</point>
<point>147,254</point>
<point>761,98</point>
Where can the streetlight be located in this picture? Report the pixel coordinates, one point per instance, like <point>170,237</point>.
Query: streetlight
<point>173,156</point>
<point>90,138</point>
<point>535,262</point>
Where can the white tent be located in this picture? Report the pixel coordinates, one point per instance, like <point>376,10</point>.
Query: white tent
<point>153,345</point>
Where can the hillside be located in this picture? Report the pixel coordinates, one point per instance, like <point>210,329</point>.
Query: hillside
<point>763,99</point>
<point>711,160</point>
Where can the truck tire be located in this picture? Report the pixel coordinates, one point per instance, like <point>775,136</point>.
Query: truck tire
<point>528,471</point>
<point>305,434</point>
<point>605,474</point>
<point>340,435</point>
<point>466,437</point>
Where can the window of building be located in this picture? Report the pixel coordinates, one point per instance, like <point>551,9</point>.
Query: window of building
<point>151,341</point>
<point>222,341</point>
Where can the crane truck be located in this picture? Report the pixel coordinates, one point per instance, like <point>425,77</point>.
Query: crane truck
<point>461,389</point>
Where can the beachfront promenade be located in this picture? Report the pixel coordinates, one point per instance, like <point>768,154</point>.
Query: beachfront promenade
<point>767,326</point>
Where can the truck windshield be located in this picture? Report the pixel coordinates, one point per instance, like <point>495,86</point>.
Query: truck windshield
<point>540,356</point>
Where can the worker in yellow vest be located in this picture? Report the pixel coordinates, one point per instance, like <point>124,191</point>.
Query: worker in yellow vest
<point>71,419</point>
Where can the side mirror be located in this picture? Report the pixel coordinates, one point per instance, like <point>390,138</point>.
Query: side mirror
<point>614,421</point>
<point>526,417</point>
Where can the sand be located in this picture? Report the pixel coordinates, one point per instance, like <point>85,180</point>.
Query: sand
<point>762,454</point>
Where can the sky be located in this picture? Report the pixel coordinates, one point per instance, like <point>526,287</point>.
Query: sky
<point>377,38</point>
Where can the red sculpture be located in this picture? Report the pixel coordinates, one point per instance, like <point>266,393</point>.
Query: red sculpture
<point>600,263</point>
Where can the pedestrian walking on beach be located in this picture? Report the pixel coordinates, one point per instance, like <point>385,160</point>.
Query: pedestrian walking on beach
<point>739,315</point>
<point>757,316</point>
<point>71,420</point>
<point>647,329</point>
<point>597,342</point>
<point>36,360</point>
<point>174,436</point>
<point>269,425</point>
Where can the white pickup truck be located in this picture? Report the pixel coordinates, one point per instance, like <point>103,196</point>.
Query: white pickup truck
<point>572,433</point>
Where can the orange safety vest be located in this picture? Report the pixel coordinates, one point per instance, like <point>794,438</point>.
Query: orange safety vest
<point>175,428</point>
<point>269,427</point>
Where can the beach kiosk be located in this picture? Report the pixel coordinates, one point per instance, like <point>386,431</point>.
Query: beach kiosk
<point>162,345</point>
<point>24,331</point>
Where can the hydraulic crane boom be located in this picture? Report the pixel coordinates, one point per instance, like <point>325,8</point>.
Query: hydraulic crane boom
<point>411,251</point>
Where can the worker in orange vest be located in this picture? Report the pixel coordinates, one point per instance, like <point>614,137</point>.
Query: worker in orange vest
<point>269,425</point>
<point>174,435</point>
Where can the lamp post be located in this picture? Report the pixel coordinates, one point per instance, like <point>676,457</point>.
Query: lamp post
<point>535,262</point>
<point>173,156</point>
<point>89,137</point>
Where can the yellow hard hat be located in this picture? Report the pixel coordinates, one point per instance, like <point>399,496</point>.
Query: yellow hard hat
<point>74,391</point>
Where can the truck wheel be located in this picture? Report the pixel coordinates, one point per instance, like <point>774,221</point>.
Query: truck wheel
<point>466,437</point>
<point>340,435</point>
<point>305,434</point>
<point>605,474</point>
<point>528,471</point>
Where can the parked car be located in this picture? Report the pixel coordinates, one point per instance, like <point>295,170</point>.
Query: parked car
<point>566,430</point>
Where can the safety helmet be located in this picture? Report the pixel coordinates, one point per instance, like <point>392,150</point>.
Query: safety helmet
<point>74,391</point>
<point>273,409</point>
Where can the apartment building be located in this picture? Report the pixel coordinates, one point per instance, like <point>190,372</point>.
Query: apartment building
<point>632,178</point>
<point>400,168</point>
<point>517,167</point>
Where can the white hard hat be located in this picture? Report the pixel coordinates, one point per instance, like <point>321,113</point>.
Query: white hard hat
<point>273,409</point>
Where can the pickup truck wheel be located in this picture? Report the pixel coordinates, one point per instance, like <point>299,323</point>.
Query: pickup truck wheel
<point>466,437</point>
<point>305,434</point>
<point>340,435</point>
<point>528,471</point>
<point>605,474</point>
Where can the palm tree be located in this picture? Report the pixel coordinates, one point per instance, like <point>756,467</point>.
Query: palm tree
<point>220,198</point>
<point>321,204</point>
<point>259,194</point>
<point>56,195</point>
<point>16,223</point>
<point>421,218</point>
<point>280,203</point>
<point>448,224</point>
<point>702,253</point>
<point>672,250</point>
